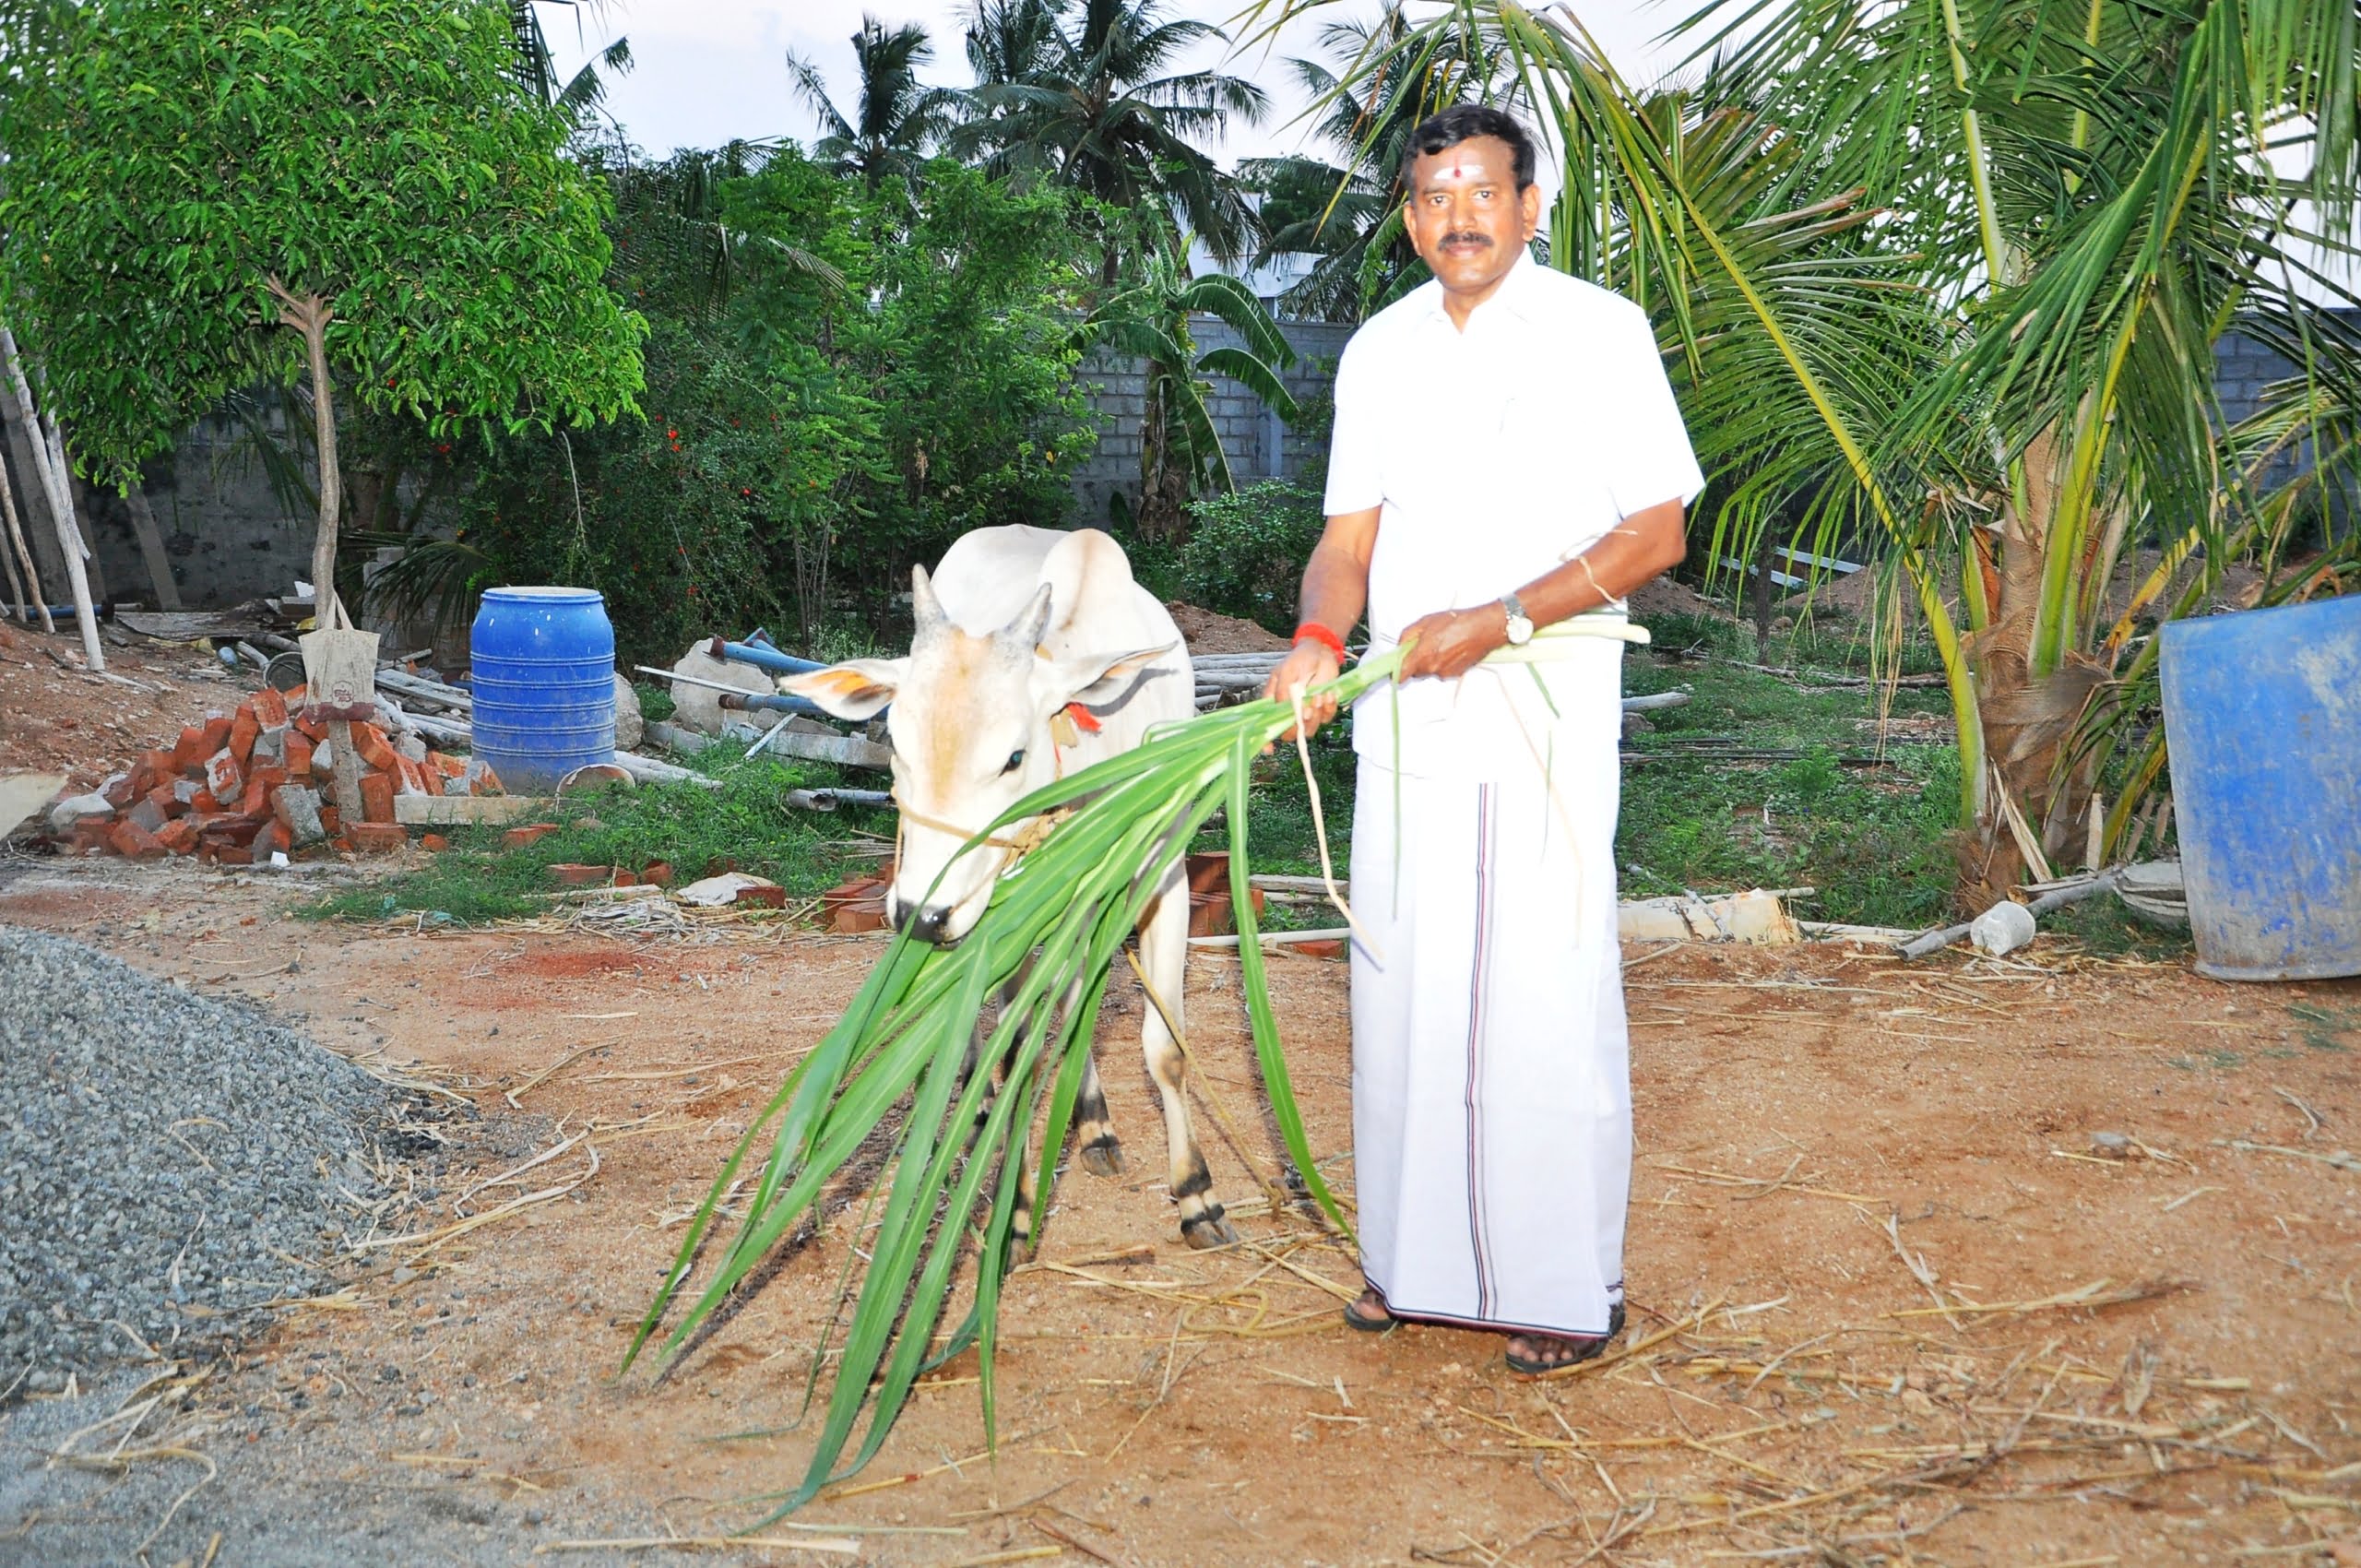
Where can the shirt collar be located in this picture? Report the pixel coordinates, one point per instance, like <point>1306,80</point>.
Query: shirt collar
<point>1514,297</point>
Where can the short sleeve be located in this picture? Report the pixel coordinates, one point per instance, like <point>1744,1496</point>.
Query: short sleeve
<point>1357,445</point>
<point>1648,457</point>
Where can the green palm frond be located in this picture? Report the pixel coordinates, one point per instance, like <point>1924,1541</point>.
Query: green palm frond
<point>1055,926</point>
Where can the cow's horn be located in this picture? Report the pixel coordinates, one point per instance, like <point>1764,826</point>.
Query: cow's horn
<point>926,611</point>
<point>1032,622</point>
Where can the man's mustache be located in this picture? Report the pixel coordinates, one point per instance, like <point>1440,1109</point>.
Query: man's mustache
<point>1466,239</point>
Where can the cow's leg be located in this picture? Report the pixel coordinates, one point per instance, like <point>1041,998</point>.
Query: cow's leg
<point>1164,956</point>
<point>1100,1151</point>
<point>1093,1134</point>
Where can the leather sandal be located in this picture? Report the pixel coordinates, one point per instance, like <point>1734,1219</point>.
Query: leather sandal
<point>1564,1351</point>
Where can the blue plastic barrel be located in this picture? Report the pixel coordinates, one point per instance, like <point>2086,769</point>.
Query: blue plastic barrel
<point>544,681</point>
<point>2262,717</point>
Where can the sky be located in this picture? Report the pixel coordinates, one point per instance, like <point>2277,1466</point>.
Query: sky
<point>705,71</point>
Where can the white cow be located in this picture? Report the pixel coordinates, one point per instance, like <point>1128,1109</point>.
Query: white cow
<point>1034,656</point>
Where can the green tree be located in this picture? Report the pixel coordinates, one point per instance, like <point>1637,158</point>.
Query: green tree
<point>840,383</point>
<point>368,173</point>
<point>1953,274</point>
<point>897,119</point>
<point>1088,104</point>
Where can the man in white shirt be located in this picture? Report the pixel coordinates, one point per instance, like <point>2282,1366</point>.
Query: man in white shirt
<point>1508,464</point>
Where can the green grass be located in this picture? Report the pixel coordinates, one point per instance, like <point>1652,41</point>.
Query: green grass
<point>1872,839</point>
<point>1868,828</point>
<point>746,822</point>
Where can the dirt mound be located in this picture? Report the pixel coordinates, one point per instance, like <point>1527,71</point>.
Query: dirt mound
<point>1209,631</point>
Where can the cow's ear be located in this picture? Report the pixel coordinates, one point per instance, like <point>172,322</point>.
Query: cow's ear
<point>1093,679</point>
<point>855,689</point>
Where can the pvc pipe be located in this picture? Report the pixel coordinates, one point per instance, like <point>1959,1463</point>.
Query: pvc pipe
<point>761,658</point>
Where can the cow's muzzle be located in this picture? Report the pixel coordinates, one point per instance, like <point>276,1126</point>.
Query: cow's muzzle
<point>929,923</point>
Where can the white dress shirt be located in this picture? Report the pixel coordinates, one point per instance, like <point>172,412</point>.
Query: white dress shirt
<point>1496,454</point>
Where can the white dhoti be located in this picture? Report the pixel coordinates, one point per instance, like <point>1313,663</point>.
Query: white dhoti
<point>1491,1081</point>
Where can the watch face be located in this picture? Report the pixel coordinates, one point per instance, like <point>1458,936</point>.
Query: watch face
<point>1520,630</point>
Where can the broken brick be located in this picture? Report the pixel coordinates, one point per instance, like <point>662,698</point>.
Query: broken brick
<point>270,709</point>
<point>217,734</point>
<point>133,841</point>
<point>178,837</point>
<point>480,779</point>
<point>269,838</point>
<point>311,729</point>
<point>448,765</point>
<point>234,855</point>
<point>166,798</point>
<point>369,743</point>
<point>526,836</point>
<point>270,748</point>
<point>657,873</point>
<point>377,797</point>
<point>331,820</point>
<point>116,790</point>
<point>299,753</point>
<point>409,777</point>
<point>434,843</point>
<point>243,731</point>
<point>192,751</point>
<point>574,875</point>
<point>377,838</point>
<point>224,776</point>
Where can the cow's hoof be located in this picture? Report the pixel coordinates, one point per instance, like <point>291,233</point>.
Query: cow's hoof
<point>1103,1155</point>
<point>1211,1229</point>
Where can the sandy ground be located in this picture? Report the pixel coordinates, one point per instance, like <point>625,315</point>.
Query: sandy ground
<point>1889,1305</point>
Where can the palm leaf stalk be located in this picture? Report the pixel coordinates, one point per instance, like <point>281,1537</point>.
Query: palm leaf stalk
<point>1056,924</point>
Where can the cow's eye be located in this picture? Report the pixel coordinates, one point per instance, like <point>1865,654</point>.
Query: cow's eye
<point>1016,761</point>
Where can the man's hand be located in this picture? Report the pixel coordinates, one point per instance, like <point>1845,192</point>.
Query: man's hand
<point>1308,664</point>
<point>1450,642</point>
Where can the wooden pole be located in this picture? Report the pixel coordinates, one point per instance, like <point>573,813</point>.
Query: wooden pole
<point>152,549</point>
<point>61,501</point>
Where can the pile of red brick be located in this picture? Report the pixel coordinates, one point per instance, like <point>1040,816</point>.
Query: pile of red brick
<point>241,786</point>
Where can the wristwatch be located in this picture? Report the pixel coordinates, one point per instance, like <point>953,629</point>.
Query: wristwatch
<point>1520,624</point>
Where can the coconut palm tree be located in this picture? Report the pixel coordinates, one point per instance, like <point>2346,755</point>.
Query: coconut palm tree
<point>897,121</point>
<point>1079,94</point>
<point>2006,375</point>
<point>1348,212</point>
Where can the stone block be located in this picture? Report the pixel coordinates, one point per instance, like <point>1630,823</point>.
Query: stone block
<point>298,809</point>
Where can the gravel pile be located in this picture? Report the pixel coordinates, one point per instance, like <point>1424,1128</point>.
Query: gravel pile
<point>167,1162</point>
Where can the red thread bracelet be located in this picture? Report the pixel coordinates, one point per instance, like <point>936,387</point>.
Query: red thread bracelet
<point>1317,633</point>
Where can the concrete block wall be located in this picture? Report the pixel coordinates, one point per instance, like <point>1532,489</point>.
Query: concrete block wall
<point>224,533</point>
<point>228,541</point>
<point>1258,445</point>
<point>2242,368</point>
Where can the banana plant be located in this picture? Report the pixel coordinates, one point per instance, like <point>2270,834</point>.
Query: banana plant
<point>1180,449</point>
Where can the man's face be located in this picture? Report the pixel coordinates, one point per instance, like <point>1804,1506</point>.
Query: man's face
<point>1466,218</point>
